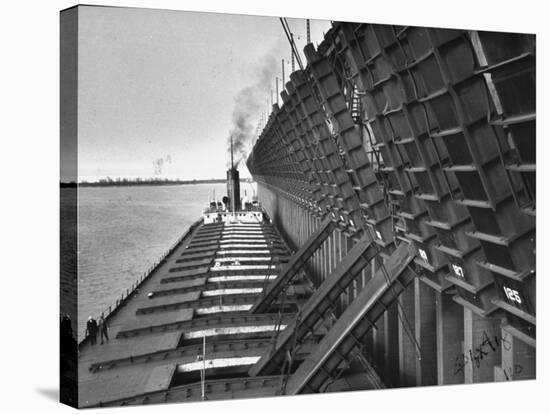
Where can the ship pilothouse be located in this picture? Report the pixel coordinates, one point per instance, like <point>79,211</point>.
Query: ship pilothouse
<point>233,209</point>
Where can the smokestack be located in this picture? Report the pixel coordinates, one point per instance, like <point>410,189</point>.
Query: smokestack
<point>283,73</point>
<point>233,190</point>
<point>231,150</point>
<point>308,32</point>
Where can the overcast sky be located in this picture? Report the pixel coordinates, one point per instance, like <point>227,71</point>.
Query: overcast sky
<point>157,88</point>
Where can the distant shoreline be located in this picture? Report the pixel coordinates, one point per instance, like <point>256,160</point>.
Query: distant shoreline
<point>143,183</point>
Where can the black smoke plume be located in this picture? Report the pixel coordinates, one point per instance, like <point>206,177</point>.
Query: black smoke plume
<point>250,103</point>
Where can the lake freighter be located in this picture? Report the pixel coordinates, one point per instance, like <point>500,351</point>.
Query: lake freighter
<point>187,332</point>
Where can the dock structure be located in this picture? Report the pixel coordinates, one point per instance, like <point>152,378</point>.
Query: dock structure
<point>393,245</point>
<point>417,136</point>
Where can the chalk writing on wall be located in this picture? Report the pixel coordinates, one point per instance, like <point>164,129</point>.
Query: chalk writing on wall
<point>476,355</point>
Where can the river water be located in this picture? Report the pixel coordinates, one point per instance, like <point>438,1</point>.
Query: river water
<point>122,231</point>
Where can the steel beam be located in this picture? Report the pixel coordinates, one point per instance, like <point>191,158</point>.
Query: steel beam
<point>319,307</point>
<point>343,341</point>
<point>294,265</point>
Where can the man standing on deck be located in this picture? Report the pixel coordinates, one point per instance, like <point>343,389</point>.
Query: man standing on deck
<point>91,330</point>
<point>103,329</point>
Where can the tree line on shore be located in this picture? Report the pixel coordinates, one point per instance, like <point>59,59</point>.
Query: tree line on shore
<point>113,182</point>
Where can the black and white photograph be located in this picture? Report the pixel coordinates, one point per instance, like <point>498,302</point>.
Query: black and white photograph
<point>286,206</point>
<point>269,206</point>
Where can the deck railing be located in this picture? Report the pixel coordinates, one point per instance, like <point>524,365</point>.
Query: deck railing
<point>220,209</point>
<point>112,309</point>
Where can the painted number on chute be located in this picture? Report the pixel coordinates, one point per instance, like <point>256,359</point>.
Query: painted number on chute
<point>423,254</point>
<point>458,271</point>
<point>512,294</point>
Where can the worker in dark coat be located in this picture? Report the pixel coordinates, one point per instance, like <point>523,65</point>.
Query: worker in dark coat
<point>103,330</point>
<point>91,330</point>
<point>66,328</point>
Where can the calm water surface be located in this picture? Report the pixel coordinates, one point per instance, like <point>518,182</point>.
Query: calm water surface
<point>123,230</point>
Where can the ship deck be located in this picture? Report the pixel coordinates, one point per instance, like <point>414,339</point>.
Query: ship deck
<point>203,290</point>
